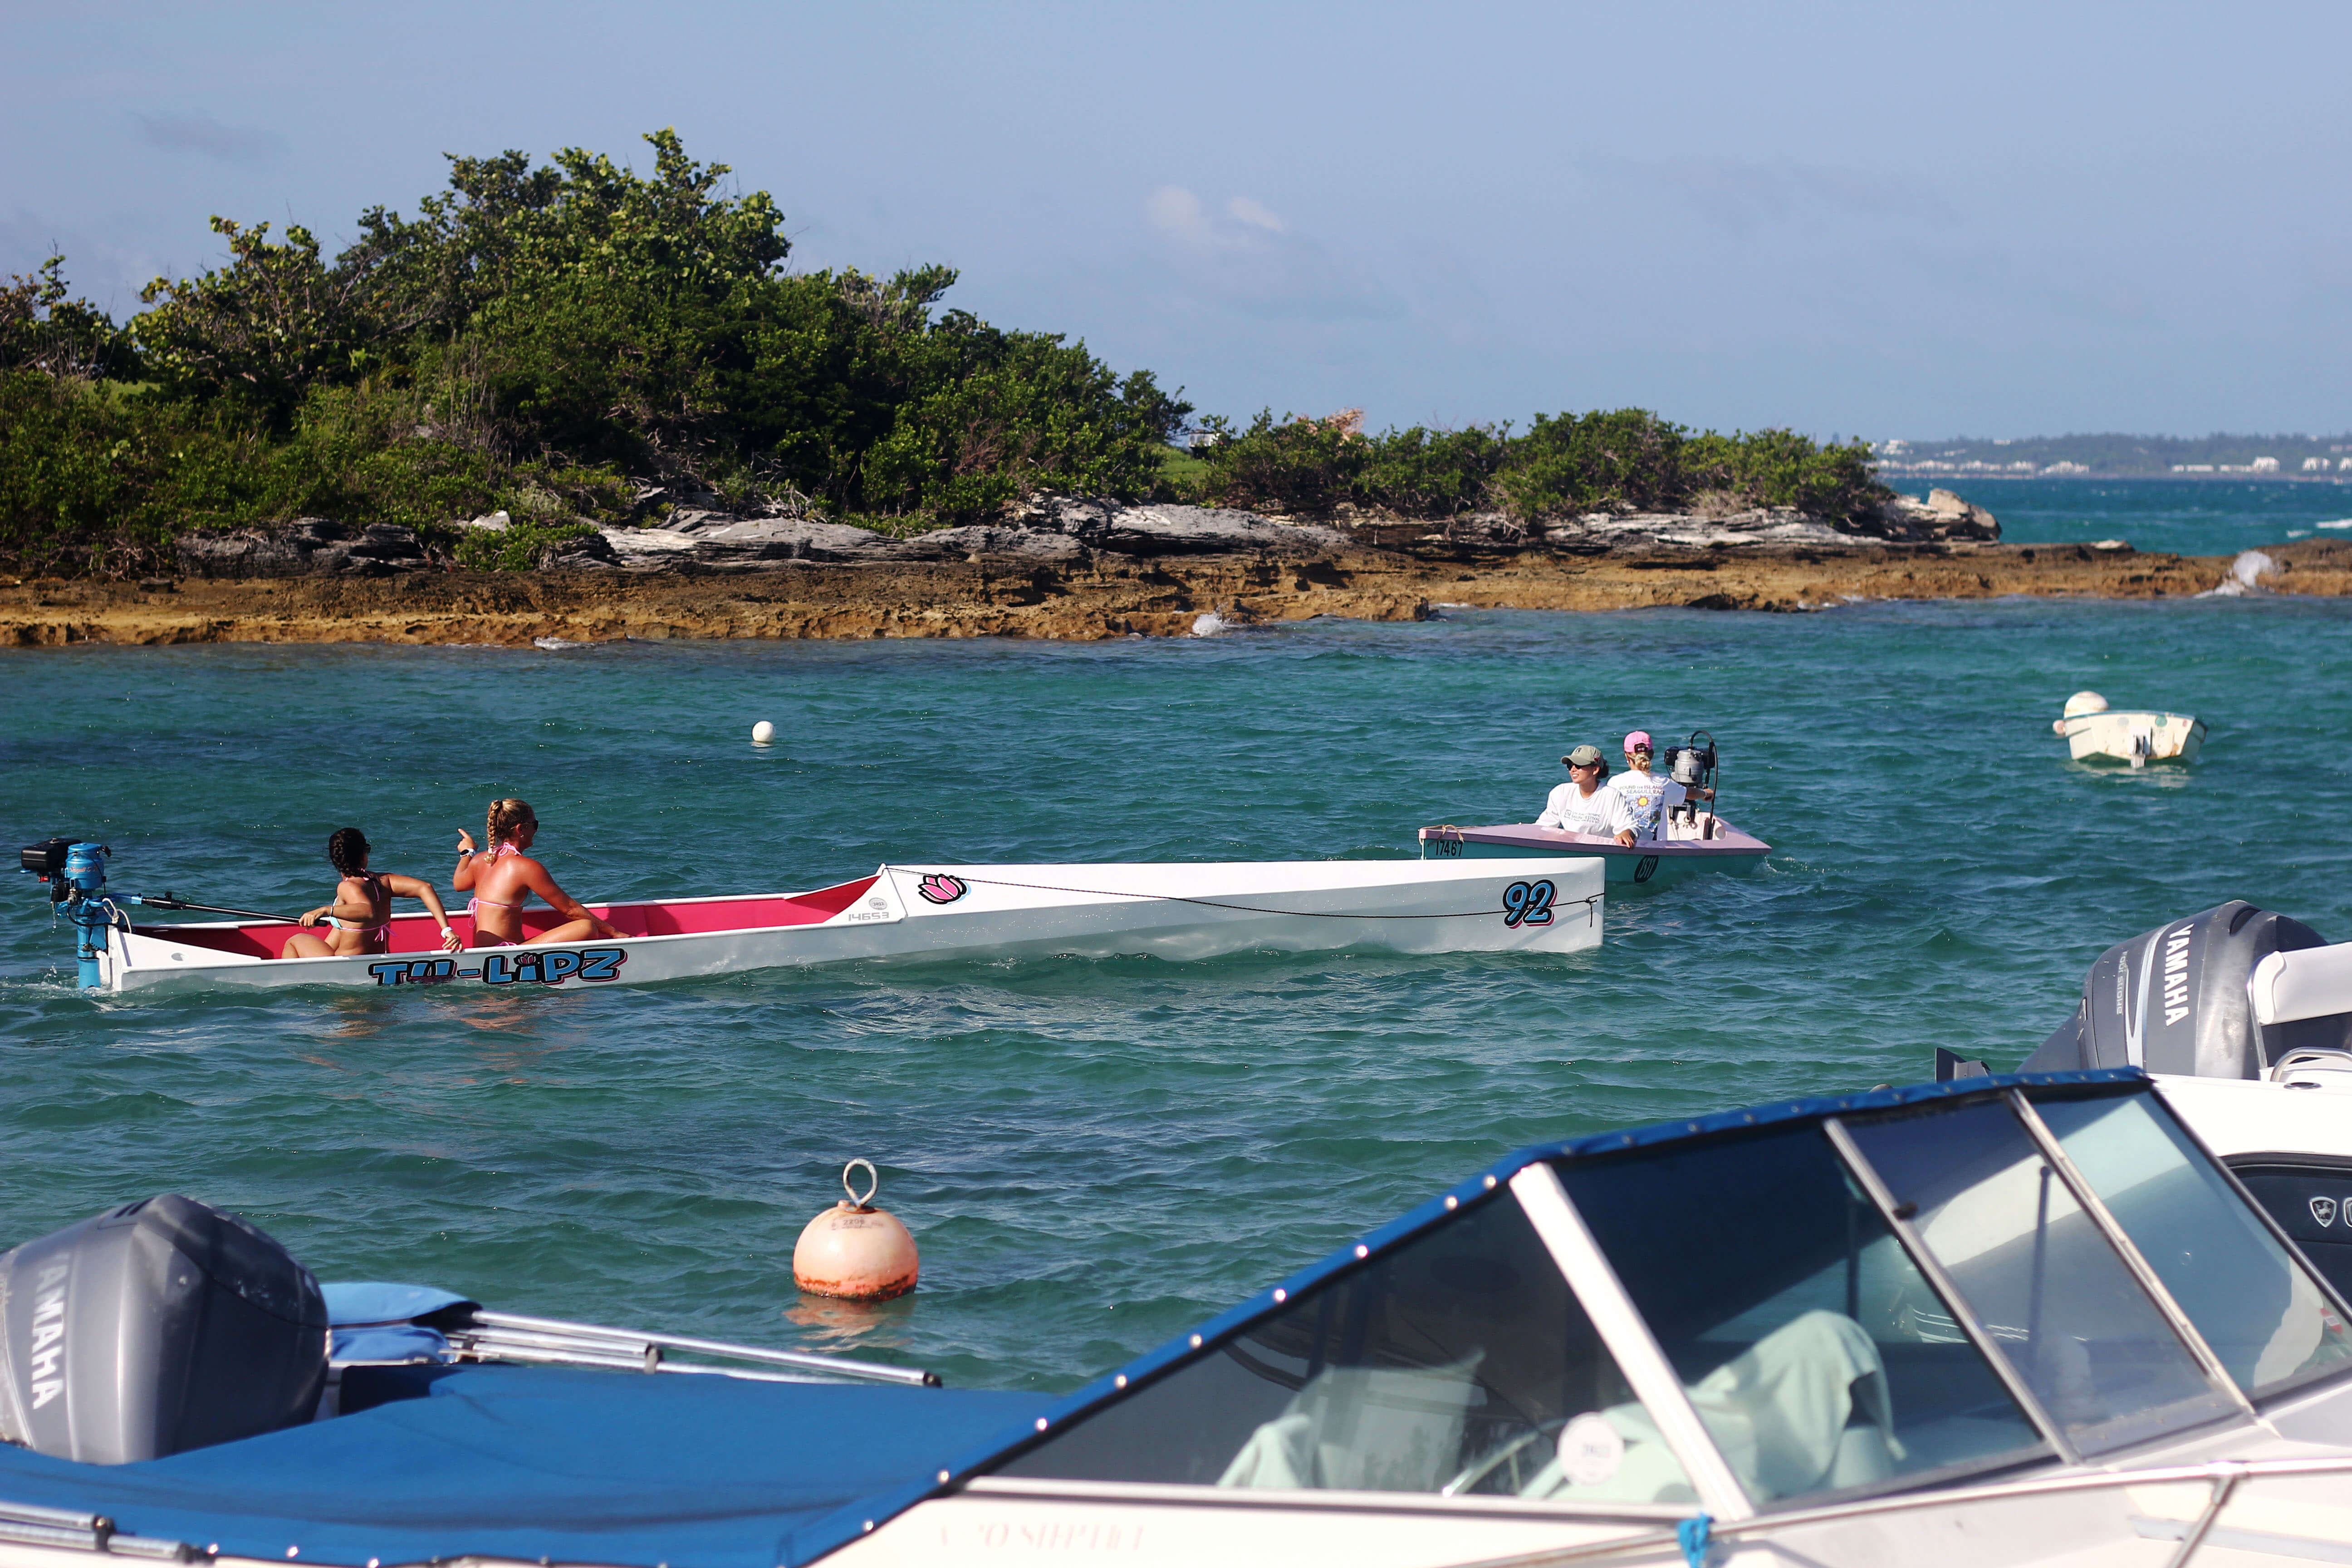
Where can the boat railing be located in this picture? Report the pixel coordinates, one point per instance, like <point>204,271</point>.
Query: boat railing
<point>483,1335</point>
<point>2222,1477</point>
<point>29,1524</point>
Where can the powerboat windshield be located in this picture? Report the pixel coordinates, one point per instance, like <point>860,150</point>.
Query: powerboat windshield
<point>1827,1299</point>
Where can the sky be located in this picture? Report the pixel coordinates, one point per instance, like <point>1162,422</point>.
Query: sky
<point>1877,220</point>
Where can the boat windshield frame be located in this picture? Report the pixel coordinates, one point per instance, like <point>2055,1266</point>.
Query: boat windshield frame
<point>1533,1179</point>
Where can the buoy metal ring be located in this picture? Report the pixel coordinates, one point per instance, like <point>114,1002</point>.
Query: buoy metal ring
<point>873,1182</point>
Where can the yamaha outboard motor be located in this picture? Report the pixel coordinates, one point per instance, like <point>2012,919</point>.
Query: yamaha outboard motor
<point>1692,765</point>
<point>2175,1000</point>
<point>157,1327</point>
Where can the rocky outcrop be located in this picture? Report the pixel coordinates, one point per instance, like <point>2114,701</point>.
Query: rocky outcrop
<point>1603,531</point>
<point>716,541</point>
<point>1103,595</point>
<point>307,547</point>
<point>1166,529</point>
<point>1049,529</point>
<point>1062,531</point>
<point>1942,517</point>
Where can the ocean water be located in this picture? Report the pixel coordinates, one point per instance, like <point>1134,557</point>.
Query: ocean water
<point>2189,516</point>
<point>1093,1154</point>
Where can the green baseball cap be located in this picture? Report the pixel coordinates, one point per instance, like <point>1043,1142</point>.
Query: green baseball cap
<point>1583,757</point>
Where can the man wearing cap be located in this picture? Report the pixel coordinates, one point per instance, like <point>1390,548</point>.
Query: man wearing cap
<point>1646,796</point>
<point>1583,805</point>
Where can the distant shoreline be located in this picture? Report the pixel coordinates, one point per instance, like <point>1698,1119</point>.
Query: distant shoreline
<point>1978,475</point>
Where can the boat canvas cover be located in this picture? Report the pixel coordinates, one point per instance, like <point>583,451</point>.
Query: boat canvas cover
<point>540,1463</point>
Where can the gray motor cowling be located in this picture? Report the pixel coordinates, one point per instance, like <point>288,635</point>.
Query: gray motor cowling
<point>2173,999</point>
<point>157,1327</point>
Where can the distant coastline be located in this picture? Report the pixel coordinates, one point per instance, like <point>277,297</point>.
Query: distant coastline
<point>2325,458</point>
<point>2194,471</point>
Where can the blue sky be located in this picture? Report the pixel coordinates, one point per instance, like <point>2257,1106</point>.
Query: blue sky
<point>1884,220</point>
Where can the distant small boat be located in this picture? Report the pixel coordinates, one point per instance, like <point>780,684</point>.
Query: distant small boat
<point>2096,733</point>
<point>1688,836</point>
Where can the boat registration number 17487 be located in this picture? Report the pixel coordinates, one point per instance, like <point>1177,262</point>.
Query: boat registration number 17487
<point>520,967</point>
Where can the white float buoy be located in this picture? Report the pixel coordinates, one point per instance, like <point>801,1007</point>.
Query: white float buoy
<point>854,1250</point>
<point>763,732</point>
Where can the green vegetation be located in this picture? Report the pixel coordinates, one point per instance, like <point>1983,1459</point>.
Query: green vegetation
<point>1624,460</point>
<point>577,343</point>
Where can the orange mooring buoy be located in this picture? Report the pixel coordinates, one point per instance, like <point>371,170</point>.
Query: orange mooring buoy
<point>854,1250</point>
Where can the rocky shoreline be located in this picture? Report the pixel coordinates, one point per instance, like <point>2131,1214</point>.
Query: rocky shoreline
<point>1082,569</point>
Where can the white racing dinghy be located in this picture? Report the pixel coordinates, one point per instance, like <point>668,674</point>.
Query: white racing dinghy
<point>907,912</point>
<point>1987,1323</point>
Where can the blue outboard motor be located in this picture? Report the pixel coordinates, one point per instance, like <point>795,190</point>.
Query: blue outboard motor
<point>75,874</point>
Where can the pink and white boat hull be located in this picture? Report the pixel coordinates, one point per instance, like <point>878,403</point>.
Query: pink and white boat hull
<point>922,912</point>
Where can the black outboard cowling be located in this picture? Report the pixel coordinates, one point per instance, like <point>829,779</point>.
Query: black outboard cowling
<point>157,1327</point>
<point>2175,1000</point>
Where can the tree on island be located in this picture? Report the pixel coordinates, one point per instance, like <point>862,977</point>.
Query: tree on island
<point>576,343</point>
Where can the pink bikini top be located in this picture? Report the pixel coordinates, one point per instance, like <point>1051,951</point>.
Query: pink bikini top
<point>497,853</point>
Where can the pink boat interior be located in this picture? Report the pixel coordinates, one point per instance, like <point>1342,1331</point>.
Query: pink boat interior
<point>417,933</point>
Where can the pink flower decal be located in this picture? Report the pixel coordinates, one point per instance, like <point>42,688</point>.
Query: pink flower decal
<point>940,888</point>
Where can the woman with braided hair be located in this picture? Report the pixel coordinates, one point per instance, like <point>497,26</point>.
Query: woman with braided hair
<point>504,877</point>
<point>361,915</point>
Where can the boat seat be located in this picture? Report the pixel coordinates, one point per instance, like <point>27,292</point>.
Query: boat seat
<point>1804,1409</point>
<point>1359,1428</point>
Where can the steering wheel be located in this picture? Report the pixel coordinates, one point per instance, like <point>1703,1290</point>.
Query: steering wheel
<point>1478,1476</point>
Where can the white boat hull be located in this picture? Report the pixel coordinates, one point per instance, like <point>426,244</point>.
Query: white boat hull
<point>2133,739</point>
<point>935,913</point>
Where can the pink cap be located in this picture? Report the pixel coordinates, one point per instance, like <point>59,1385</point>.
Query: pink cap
<point>1636,741</point>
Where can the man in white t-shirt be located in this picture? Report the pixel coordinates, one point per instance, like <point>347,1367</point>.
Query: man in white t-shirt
<point>1583,805</point>
<point>1646,795</point>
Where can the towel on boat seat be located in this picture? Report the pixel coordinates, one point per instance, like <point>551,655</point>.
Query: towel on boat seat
<point>1779,1412</point>
<point>1363,1429</point>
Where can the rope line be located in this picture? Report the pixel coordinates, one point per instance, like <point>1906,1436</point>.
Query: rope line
<point>1558,903</point>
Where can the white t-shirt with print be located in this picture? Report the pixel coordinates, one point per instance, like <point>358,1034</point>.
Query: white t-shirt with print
<point>1646,797</point>
<point>1601,813</point>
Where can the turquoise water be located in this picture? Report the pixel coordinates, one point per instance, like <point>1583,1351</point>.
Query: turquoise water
<point>2191,517</point>
<point>1093,1154</point>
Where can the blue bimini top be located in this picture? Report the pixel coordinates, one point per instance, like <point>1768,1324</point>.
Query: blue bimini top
<point>535,1463</point>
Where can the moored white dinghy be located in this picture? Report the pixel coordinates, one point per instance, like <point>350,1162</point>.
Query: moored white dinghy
<point>2096,733</point>
<point>1177,911</point>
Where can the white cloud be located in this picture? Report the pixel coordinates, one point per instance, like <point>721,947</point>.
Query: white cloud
<point>213,138</point>
<point>1175,210</point>
<point>1254,214</point>
<point>1243,257</point>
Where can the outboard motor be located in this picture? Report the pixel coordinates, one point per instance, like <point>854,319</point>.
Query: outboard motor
<point>2176,1000</point>
<point>75,874</point>
<point>157,1327</point>
<point>1692,765</point>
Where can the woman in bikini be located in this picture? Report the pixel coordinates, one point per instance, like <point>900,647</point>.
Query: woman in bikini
<point>503,876</point>
<point>361,914</point>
